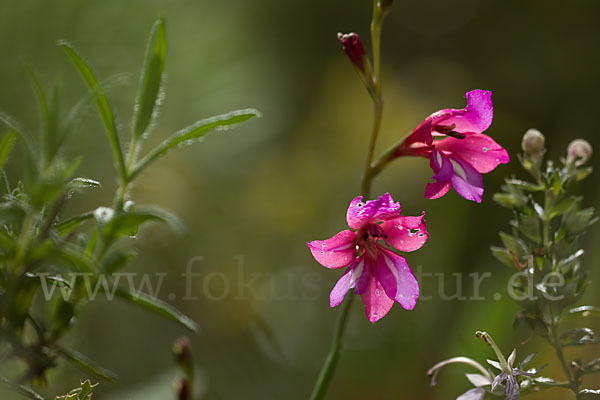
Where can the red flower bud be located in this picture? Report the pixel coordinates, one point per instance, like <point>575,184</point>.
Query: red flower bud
<point>353,48</point>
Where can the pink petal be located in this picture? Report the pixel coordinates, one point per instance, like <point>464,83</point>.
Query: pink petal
<point>466,180</point>
<point>435,190</point>
<point>347,281</point>
<point>335,252</point>
<point>475,118</point>
<point>421,133</point>
<point>397,278</point>
<point>377,303</point>
<point>479,150</point>
<point>382,209</point>
<point>406,233</point>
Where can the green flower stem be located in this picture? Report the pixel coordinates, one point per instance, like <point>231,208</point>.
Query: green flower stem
<point>334,353</point>
<point>330,364</point>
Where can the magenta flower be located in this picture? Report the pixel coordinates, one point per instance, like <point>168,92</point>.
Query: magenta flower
<point>457,149</point>
<point>374,270</point>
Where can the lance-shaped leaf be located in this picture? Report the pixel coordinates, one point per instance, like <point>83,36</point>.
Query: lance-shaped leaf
<point>578,337</point>
<point>102,105</point>
<point>151,79</point>
<point>159,307</point>
<point>195,132</point>
<point>87,365</point>
<point>585,311</point>
<point>128,222</point>
<point>588,394</point>
<point>6,145</point>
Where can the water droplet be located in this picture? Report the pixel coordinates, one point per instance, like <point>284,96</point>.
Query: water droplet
<point>359,204</point>
<point>377,292</point>
<point>375,315</point>
<point>400,227</point>
<point>322,252</point>
<point>401,296</point>
<point>421,234</point>
<point>323,244</point>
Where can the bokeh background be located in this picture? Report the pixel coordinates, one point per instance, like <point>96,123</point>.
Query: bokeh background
<point>253,196</point>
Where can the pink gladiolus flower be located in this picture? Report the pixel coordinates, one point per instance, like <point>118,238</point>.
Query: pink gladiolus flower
<point>374,270</point>
<point>458,151</point>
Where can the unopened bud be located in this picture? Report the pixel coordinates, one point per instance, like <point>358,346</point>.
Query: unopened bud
<point>579,151</point>
<point>533,142</point>
<point>354,49</point>
<point>183,355</point>
<point>183,390</point>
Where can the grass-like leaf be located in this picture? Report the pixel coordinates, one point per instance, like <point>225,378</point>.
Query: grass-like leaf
<point>159,307</point>
<point>6,145</point>
<point>102,104</point>
<point>195,132</point>
<point>67,226</point>
<point>87,365</point>
<point>151,79</point>
<point>24,390</point>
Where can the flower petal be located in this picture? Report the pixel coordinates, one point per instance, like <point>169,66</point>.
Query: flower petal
<point>479,150</point>
<point>347,281</point>
<point>406,233</point>
<point>475,118</point>
<point>466,180</point>
<point>382,209</point>
<point>397,278</point>
<point>336,252</point>
<point>478,380</point>
<point>473,394</point>
<point>435,190</point>
<point>498,380</point>
<point>442,168</point>
<point>377,303</point>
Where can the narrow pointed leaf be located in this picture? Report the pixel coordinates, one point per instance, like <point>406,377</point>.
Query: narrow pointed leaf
<point>6,145</point>
<point>87,365</point>
<point>195,132</point>
<point>102,104</point>
<point>67,226</point>
<point>159,307</point>
<point>151,79</point>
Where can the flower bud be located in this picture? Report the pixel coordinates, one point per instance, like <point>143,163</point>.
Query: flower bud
<point>533,142</point>
<point>183,390</point>
<point>579,151</point>
<point>354,49</point>
<point>183,355</point>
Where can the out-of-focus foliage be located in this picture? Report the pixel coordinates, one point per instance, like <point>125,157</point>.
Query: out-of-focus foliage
<point>52,265</point>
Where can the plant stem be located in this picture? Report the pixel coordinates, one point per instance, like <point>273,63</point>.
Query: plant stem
<point>561,357</point>
<point>331,361</point>
<point>334,354</point>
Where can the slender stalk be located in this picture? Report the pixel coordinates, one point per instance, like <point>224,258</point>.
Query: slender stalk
<point>334,354</point>
<point>331,361</point>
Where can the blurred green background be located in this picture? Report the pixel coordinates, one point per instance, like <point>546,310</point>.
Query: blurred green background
<point>253,196</point>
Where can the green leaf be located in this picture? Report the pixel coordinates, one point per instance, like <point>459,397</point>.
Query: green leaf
<point>6,145</point>
<point>24,390</point>
<point>528,186</point>
<point>195,132</point>
<point>87,365</point>
<point>585,311</point>
<point>127,222</point>
<point>503,256</point>
<point>578,337</point>
<point>83,392</point>
<point>67,226</point>
<point>593,367</point>
<point>151,79</point>
<point>158,307</point>
<point>79,183</point>
<point>529,226</point>
<point>102,104</point>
